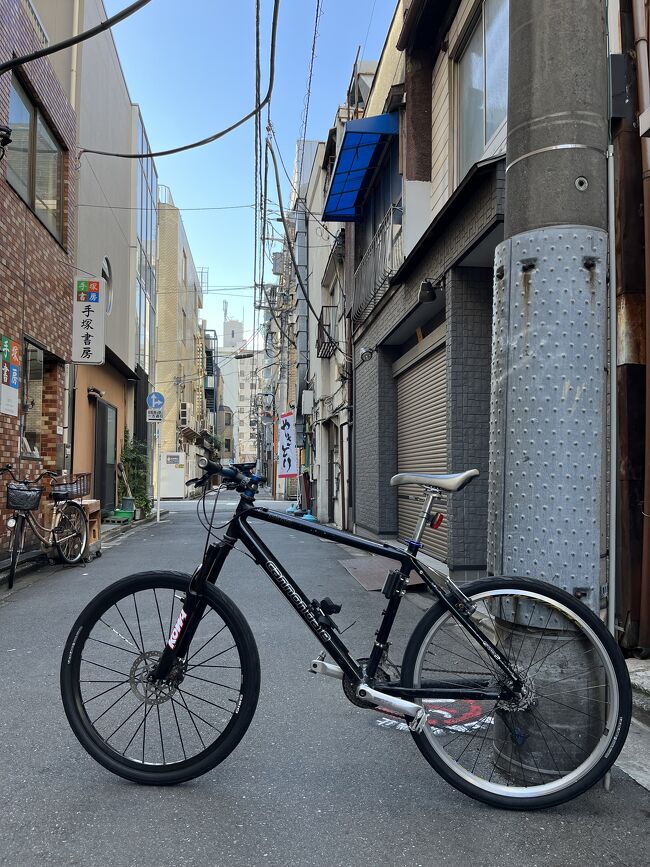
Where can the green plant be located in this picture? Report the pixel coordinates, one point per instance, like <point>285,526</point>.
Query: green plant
<point>136,466</point>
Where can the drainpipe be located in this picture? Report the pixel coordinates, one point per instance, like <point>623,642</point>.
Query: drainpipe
<point>74,55</point>
<point>613,404</point>
<point>643,83</point>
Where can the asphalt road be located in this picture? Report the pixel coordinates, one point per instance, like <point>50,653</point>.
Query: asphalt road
<point>315,781</point>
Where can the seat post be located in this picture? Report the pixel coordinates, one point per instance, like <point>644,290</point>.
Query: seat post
<point>425,515</point>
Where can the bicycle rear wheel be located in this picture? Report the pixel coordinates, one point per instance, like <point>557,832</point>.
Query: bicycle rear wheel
<point>150,734</point>
<point>71,532</point>
<point>551,740</point>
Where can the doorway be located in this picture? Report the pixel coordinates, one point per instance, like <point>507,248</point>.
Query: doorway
<point>105,455</point>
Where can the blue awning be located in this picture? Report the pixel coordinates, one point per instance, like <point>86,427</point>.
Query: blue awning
<point>360,153</point>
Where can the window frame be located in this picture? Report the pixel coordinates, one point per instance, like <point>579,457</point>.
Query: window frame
<point>36,116</point>
<point>24,390</point>
<point>475,20</point>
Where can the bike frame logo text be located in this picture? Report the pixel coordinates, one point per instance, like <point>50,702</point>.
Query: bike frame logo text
<point>297,601</point>
<point>176,631</point>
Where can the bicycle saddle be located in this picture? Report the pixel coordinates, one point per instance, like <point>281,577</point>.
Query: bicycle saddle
<point>448,481</point>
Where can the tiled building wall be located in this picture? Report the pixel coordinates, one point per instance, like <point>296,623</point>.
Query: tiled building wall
<point>469,343</point>
<point>375,395</point>
<point>36,270</point>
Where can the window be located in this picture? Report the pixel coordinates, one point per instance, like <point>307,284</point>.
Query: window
<point>228,419</point>
<point>33,403</point>
<point>227,444</point>
<point>35,160</point>
<point>482,84</point>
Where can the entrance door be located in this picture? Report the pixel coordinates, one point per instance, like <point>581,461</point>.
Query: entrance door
<point>105,455</point>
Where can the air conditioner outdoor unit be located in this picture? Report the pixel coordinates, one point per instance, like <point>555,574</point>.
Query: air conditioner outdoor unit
<point>186,414</point>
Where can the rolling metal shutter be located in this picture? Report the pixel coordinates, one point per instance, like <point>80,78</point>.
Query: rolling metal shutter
<point>422,441</point>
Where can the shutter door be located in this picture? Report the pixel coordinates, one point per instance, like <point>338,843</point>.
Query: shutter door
<point>422,442</point>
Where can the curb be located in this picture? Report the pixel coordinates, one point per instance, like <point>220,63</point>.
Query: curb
<point>112,531</point>
<point>639,670</point>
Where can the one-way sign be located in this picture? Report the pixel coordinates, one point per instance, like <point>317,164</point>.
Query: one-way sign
<point>154,415</point>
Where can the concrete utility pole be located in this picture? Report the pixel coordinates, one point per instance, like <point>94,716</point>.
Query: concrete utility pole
<point>548,413</point>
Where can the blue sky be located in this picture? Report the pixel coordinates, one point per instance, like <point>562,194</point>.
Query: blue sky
<point>190,66</point>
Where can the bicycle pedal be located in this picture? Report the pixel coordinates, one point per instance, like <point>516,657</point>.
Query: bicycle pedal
<point>419,721</point>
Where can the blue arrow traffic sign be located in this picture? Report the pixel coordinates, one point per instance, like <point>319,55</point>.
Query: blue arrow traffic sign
<point>155,400</point>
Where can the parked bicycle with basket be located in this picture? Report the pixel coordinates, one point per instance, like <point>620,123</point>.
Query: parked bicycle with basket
<point>68,529</point>
<point>513,690</point>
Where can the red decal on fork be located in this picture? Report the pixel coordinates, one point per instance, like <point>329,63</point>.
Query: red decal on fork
<point>178,628</point>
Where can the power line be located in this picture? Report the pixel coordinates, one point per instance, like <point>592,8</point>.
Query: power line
<point>139,208</point>
<point>305,116</point>
<point>73,40</point>
<point>289,246</point>
<point>304,202</point>
<point>212,138</point>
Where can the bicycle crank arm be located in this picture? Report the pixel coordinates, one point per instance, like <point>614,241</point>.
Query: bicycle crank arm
<point>416,714</point>
<point>327,668</point>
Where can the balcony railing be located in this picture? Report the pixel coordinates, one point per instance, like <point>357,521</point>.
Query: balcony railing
<point>381,260</point>
<point>326,341</point>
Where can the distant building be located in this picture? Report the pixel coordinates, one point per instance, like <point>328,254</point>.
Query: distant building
<point>181,362</point>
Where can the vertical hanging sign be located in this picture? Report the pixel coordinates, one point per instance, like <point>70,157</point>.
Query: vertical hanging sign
<point>10,376</point>
<point>88,311</point>
<point>287,463</point>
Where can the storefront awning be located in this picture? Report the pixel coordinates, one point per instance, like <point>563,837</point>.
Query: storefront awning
<point>362,149</point>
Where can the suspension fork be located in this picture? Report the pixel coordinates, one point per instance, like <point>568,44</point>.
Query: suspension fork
<point>189,618</point>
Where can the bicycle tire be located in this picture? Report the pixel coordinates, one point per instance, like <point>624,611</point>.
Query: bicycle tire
<point>237,687</point>
<point>72,519</point>
<point>551,744</point>
<point>16,545</point>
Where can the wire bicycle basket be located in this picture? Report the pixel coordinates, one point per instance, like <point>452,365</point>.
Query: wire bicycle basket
<point>71,489</point>
<point>23,497</point>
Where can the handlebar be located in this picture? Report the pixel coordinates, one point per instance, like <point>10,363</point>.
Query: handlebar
<point>8,468</point>
<point>229,474</point>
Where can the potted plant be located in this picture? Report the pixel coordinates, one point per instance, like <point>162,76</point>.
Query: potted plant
<point>136,471</point>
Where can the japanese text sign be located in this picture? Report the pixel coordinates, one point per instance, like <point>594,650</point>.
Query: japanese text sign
<point>10,387</point>
<point>88,313</point>
<point>287,461</point>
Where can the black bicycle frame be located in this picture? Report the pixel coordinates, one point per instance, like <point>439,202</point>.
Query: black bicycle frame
<point>239,530</point>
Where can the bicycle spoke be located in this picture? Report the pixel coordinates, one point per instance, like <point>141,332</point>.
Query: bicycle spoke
<point>100,694</point>
<point>213,682</point>
<point>191,718</point>
<point>208,642</point>
<point>162,631</point>
<point>110,707</point>
<point>117,608</point>
<point>105,667</point>
<point>198,716</point>
<point>115,646</point>
<point>162,745</point>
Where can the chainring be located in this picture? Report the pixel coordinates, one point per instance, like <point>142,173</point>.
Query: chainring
<point>350,688</point>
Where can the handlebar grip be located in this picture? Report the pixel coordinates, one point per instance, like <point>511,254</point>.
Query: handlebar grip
<point>209,466</point>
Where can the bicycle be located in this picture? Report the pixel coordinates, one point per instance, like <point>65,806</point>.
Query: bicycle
<point>513,690</point>
<point>68,530</point>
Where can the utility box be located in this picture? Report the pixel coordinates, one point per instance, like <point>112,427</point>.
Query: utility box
<point>173,475</point>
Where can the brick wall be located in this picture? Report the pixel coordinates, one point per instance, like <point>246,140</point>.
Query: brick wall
<point>36,270</point>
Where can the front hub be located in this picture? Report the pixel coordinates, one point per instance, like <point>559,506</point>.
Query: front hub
<point>144,687</point>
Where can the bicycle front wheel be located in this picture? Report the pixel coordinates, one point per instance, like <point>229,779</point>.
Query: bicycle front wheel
<point>144,732</point>
<point>71,532</point>
<point>545,743</point>
<point>17,538</point>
